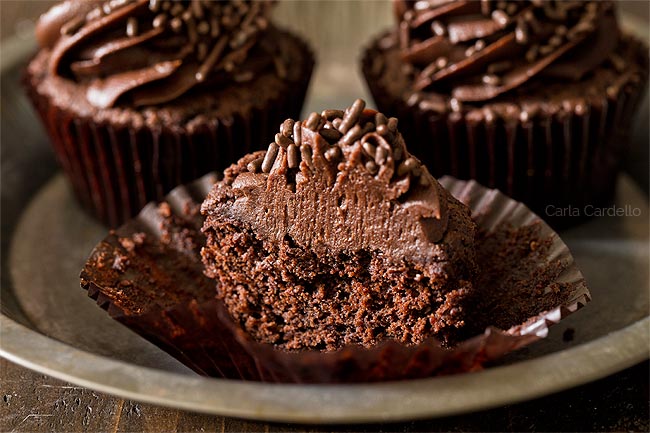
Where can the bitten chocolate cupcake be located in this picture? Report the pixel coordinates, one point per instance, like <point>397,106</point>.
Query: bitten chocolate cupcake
<point>336,235</point>
<point>532,97</point>
<point>139,96</point>
<point>335,256</point>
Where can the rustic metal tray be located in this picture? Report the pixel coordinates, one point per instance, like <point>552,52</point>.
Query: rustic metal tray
<point>49,325</point>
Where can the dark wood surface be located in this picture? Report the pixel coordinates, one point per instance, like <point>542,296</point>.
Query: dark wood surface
<point>32,402</point>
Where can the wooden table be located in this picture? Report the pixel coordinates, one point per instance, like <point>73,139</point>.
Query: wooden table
<point>32,402</point>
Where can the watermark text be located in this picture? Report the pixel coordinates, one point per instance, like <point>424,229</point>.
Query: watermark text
<point>592,211</point>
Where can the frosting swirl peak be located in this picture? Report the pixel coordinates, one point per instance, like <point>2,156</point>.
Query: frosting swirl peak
<point>149,52</point>
<point>478,50</point>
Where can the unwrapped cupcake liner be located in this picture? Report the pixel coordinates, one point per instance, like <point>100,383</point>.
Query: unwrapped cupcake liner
<point>552,161</point>
<point>197,330</point>
<point>116,169</point>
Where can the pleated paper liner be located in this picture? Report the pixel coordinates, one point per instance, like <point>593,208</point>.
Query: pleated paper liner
<point>115,169</point>
<point>568,157</point>
<point>148,276</point>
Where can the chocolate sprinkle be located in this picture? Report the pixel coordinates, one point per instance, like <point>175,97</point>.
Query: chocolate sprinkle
<point>546,49</point>
<point>555,41</point>
<point>312,121</point>
<point>332,114</point>
<point>297,133</point>
<point>282,140</point>
<point>406,166</point>
<point>438,28</point>
<point>392,124</point>
<point>330,134</point>
<point>618,62</point>
<point>333,153</point>
<point>280,67</point>
<point>372,167</point>
<point>269,158</point>
<point>491,80</point>
<point>381,155</point>
<point>532,53</point>
<point>176,24</point>
<point>132,27</point>
<point>370,149</point>
<point>521,32</point>
<point>499,67</point>
<point>160,20</point>
<point>293,156</point>
<point>305,154</point>
<point>212,58</point>
<point>352,135</point>
<point>500,17</point>
<point>455,105</point>
<point>255,165</point>
<point>352,115</point>
<point>73,25</point>
<point>287,127</point>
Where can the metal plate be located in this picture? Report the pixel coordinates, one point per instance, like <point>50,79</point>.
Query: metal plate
<point>49,325</point>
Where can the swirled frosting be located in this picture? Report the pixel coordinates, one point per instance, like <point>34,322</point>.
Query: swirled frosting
<point>476,51</point>
<point>342,180</point>
<point>149,52</point>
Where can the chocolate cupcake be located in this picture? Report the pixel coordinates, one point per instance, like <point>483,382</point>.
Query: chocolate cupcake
<point>337,258</point>
<point>336,235</point>
<point>532,97</point>
<point>139,96</point>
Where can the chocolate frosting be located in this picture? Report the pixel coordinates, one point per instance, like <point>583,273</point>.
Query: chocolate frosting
<point>149,52</point>
<point>341,181</point>
<point>478,50</point>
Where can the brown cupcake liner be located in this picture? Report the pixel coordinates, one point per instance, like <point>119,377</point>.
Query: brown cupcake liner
<point>197,330</point>
<point>115,170</point>
<point>177,327</point>
<point>569,157</point>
